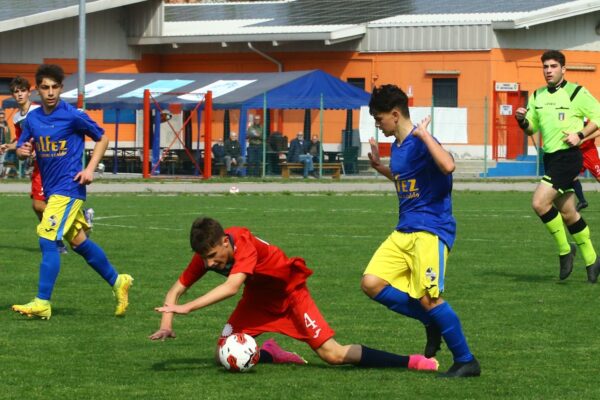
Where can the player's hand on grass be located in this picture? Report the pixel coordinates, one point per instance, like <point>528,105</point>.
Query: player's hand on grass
<point>572,139</point>
<point>421,129</point>
<point>84,177</point>
<point>162,334</point>
<point>174,308</point>
<point>374,154</point>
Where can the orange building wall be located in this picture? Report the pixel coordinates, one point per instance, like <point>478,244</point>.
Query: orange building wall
<point>477,72</point>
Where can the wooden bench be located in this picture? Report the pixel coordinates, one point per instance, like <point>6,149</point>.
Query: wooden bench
<point>334,167</point>
<point>223,169</point>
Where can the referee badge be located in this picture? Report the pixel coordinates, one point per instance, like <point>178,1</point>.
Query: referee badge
<point>561,116</point>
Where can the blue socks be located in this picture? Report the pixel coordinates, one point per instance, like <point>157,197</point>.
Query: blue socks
<point>402,303</point>
<point>49,268</point>
<point>96,258</point>
<point>445,317</point>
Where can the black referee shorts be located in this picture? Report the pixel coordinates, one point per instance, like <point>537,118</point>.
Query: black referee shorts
<point>562,167</point>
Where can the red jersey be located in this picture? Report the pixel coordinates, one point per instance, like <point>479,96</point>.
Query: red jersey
<point>18,118</point>
<point>37,189</point>
<point>591,161</point>
<point>271,275</point>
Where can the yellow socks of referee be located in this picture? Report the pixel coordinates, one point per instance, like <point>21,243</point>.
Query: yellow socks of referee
<point>581,233</point>
<point>554,224</point>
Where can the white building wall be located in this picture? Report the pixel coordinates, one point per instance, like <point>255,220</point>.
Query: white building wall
<point>577,33</point>
<point>106,39</point>
<point>426,38</point>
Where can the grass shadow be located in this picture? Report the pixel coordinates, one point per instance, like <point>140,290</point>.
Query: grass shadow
<point>522,277</point>
<point>181,364</point>
<point>23,248</point>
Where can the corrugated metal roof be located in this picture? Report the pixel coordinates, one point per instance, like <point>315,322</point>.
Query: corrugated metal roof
<point>447,19</point>
<point>239,27</point>
<point>303,19</point>
<point>324,12</point>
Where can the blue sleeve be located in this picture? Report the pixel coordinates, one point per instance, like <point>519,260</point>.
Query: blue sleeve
<point>87,126</point>
<point>25,133</point>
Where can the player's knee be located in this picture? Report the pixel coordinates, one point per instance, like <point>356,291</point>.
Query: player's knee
<point>429,302</point>
<point>38,207</point>
<point>372,285</point>
<point>540,207</point>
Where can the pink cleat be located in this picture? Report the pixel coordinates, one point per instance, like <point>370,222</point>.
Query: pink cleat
<point>422,363</point>
<point>281,356</point>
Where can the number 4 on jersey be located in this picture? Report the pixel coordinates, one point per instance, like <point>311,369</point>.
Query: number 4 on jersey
<point>312,324</point>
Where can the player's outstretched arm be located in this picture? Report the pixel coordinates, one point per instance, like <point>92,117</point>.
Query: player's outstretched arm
<point>591,136</point>
<point>166,323</point>
<point>442,158</point>
<point>86,176</point>
<point>376,161</point>
<point>224,291</point>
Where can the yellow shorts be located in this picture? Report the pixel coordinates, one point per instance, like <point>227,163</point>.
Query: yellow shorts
<point>414,263</point>
<point>63,218</point>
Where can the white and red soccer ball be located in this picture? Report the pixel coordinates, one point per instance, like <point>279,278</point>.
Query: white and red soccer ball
<point>238,352</point>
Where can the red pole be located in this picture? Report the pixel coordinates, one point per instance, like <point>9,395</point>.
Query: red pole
<point>207,173</point>
<point>494,130</point>
<point>146,152</point>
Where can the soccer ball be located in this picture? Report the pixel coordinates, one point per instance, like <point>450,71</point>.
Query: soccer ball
<point>239,352</point>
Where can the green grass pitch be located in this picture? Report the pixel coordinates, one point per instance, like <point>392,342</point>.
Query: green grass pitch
<point>536,338</point>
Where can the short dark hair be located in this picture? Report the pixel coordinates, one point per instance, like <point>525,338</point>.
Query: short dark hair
<point>387,97</point>
<point>52,71</point>
<point>206,233</point>
<point>554,55</point>
<point>18,82</point>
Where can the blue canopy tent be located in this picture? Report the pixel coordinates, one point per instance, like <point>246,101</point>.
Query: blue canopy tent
<point>312,89</point>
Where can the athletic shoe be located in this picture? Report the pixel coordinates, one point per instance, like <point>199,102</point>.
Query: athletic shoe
<point>281,356</point>
<point>89,217</point>
<point>434,340</point>
<point>581,205</point>
<point>421,363</point>
<point>121,292</point>
<point>463,370</point>
<point>62,249</point>
<point>593,271</point>
<point>566,262</point>
<point>36,308</point>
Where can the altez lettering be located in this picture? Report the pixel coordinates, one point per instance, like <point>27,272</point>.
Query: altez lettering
<point>407,188</point>
<point>49,148</point>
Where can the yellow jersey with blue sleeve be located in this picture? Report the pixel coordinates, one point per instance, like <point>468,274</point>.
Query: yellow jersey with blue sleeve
<point>555,110</point>
<point>59,139</point>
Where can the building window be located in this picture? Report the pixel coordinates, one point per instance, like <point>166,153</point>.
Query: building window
<point>445,92</point>
<point>358,82</point>
<point>4,85</point>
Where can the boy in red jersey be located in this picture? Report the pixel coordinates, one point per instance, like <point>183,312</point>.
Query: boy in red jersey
<point>275,299</point>
<point>591,162</point>
<point>20,90</point>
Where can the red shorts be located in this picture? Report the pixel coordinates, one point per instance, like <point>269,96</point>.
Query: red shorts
<point>37,190</point>
<point>301,320</point>
<point>591,162</point>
